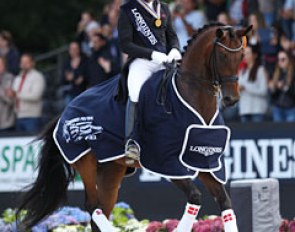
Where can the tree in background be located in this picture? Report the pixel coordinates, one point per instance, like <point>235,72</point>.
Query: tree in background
<point>40,25</point>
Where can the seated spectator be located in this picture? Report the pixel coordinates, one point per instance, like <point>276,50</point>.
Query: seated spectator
<point>7,117</point>
<point>253,102</point>
<point>74,73</point>
<point>85,27</point>
<point>101,64</point>
<point>10,52</point>
<point>28,89</point>
<point>282,89</point>
<point>187,19</point>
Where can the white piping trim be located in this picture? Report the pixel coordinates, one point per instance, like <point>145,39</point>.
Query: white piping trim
<point>191,108</point>
<point>185,144</point>
<point>62,152</point>
<point>217,179</point>
<point>112,158</point>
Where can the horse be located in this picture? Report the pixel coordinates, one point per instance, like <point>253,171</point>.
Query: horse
<point>208,70</point>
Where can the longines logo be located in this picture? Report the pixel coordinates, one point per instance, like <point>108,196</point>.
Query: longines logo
<point>205,150</point>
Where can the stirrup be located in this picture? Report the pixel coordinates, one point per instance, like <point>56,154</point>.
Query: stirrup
<point>132,150</point>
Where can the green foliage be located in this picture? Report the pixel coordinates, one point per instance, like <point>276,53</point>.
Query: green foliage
<point>40,25</point>
<point>9,215</point>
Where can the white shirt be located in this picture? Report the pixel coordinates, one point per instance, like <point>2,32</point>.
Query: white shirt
<point>253,99</point>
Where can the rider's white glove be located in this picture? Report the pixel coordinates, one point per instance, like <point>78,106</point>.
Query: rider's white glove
<point>159,57</point>
<point>174,54</point>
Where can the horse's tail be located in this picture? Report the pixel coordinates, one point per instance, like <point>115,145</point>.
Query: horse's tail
<point>50,187</point>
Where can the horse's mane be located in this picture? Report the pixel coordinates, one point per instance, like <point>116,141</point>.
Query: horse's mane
<point>200,31</point>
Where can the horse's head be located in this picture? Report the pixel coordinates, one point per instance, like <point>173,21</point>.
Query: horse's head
<point>213,60</point>
<point>226,56</point>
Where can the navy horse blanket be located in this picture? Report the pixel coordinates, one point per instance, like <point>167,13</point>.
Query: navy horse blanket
<point>175,140</point>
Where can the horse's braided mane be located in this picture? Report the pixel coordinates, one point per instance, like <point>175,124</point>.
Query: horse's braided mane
<point>200,31</point>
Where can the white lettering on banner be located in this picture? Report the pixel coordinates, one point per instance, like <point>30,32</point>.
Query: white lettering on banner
<point>282,166</point>
<point>17,162</point>
<point>261,158</point>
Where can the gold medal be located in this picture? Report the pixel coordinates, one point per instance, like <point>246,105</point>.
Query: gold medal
<point>158,22</point>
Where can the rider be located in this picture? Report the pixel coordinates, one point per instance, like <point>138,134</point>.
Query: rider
<point>146,35</point>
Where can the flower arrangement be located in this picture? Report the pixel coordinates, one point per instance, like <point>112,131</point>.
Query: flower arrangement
<point>70,219</point>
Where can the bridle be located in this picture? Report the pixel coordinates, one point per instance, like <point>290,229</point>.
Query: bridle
<point>217,79</point>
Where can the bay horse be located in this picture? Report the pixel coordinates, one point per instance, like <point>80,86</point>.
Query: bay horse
<point>209,68</point>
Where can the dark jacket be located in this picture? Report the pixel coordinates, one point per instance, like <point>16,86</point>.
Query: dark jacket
<point>70,88</point>
<point>96,74</point>
<point>284,98</point>
<point>130,41</point>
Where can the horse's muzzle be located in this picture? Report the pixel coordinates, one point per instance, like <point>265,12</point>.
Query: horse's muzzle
<point>229,101</point>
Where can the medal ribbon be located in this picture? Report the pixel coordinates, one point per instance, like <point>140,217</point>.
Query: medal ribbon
<point>157,14</point>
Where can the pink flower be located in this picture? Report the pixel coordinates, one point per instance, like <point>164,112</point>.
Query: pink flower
<point>284,226</point>
<point>154,226</point>
<point>292,226</point>
<point>171,224</point>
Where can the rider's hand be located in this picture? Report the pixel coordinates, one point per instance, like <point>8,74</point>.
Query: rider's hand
<point>174,54</point>
<point>159,57</point>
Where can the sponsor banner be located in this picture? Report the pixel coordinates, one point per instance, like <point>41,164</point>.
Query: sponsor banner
<point>255,151</point>
<point>18,163</point>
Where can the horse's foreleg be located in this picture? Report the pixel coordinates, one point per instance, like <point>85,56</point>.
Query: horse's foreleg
<point>109,177</point>
<point>87,168</point>
<point>193,205</point>
<point>221,196</point>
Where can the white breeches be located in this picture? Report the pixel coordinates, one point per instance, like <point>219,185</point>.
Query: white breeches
<point>139,71</point>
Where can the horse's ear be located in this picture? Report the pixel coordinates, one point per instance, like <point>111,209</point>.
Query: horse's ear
<point>243,32</point>
<point>219,33</point>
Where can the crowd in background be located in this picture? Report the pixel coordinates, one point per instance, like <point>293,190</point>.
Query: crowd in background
<point>266,75</point>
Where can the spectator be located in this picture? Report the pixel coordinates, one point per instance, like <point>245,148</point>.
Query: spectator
<point>267,8</point>
<point>74,73</point>
<point>253,102</point>
<point>214,8</point>
<point>267,38</point>
<point>236,11</point>
<point>224,18</point>
<point>282,89</point>
<point>187,19</point>
<point>9,51</point>
<point>7,117</point>
<point>287,15</point>
<point>86,26</point>
<point>287,45</point>
<point>28,90</point>
<point>101,64</point>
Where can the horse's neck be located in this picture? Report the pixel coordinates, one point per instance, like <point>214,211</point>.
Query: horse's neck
<point>203,102</point>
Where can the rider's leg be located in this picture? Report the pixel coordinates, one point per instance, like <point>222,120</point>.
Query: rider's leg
<point>193,205</point>
<point>140,71</point>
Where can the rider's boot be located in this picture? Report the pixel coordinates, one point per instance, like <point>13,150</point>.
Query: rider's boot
<point>132,148</point>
